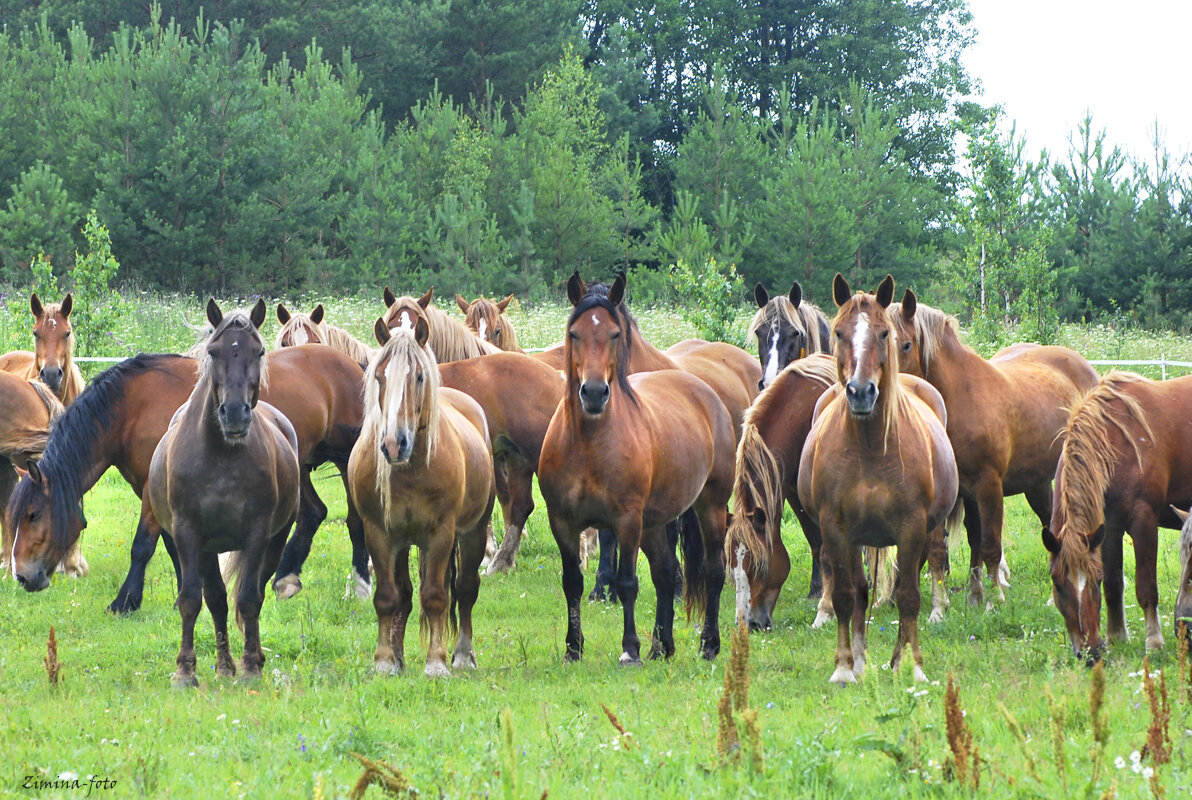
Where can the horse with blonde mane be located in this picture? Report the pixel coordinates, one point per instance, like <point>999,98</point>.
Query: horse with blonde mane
<point>486,318</point>
<point>1006,423</point>
<point>52,359</point>
<point>421,474</point>
<point>1123,465</point>
<point>450,339</point>
<point>786,328</point>
<point>877,470</point>
<point>298,329</point>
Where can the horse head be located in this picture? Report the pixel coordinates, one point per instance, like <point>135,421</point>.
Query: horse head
<point>298,328</point>
<point>53,342</point>
<point>1075,567</point>
<point>910,345</point>
<point>234,367</point>
<point>596,351</point>
<point>780,331</point>
<point>866,358</point>
<point>400,393</point>
<point>483,317</point>
<point>42,531</point>
<point>404,312</point>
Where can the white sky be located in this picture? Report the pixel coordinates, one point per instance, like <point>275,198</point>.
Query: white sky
<point>1048,61</point>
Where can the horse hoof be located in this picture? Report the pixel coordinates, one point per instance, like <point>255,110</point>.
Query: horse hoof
<point>858,666</point>
<point>499,565</point>
<point>389,667</point>
<point>820,618</point>
<point>936,615</point>
<point>464,661</point>
<point>123,607</point>
<point>184,681</point>
<point>842,677</point>
<point>627,660</point>
<point>920,677</point>
<point>1154,642</point>
<point>287,587</point>
<point>437,669</point>
<point>226,670</point>
<point>357,587</point>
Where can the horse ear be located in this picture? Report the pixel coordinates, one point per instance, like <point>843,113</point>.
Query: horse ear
<point>214,315</point>
<point>34,472</point>
<point>504,304</point>
<point>66,306</point>
<point>389,297</point>
<point>461,302</point>
<point>760,295</point>
<point>316,316</point>
<point>283,313</point>
<point>424,301</point>
<point>257,315</point>
<point>20,471</point>
<point>576,288</point>
<point>796,295</point>
<point>35,304</point>
<point>1050,542</point>
<point>1181,513</point>
<point>421,331</point>
<point>381,331</point>
<point>840,290</point>
<point>885,291</point>
<point>617,293</point>
<point>910,304</point>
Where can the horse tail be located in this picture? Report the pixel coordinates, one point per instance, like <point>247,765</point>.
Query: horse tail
<point>955,519</point>
<point>695,593</point>
<point>231,568</point>
<point>757,501</point>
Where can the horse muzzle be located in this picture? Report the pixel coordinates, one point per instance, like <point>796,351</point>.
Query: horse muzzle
<point>398,449</point>
<point>593,396</point>
<point>33,580</point>
<point>861,397</point>
<point>234,420</point>
<point>51,377</point>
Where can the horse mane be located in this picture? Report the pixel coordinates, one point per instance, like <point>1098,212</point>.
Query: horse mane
<point>817,366</point>
<point>452,340</point>
<point>339,339</point>
<point>932,328</point>
<point>70,450</point>
<point>239,320</point>
<point>31,439</point>
<point>1089,458</point>
<point>299,319</point>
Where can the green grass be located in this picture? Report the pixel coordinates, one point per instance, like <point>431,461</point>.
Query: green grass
<point>115,716</point>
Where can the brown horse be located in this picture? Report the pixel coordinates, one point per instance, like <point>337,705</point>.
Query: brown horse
<point>730,372</point>
<point>486,318</point>
<point>877,470</point>
<point>1008,415</point>
<point>632,453</point>
<point>118,422</point>
<point>421,474</point>
<point>224,477</point>
<point>786,329</point>
<point>52,360</point>
<point>450,339</point>
<point>1124,463</point>
<point>298,329</point>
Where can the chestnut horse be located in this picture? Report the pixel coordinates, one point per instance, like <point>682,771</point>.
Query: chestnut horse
<point>1124,463</point>
<point>633,453</point>
<point>421,474</point>
<point>298,329</point>
<point>52,360</point>
<point>224,477</point>
<point>1009,414</point>
<point>118,422</point>
<point>486,318</point>
<point>450,339</point>
<point>877,470</point>
<point>786,329</point>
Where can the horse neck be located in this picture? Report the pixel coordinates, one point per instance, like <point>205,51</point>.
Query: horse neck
<point>952,364</point>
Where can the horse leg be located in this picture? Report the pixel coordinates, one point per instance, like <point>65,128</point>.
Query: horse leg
<point>843,588</point>
<point>311,513</point>
<point>190,602</point>
<point>713,521</point>
<point>387,596</point>
<point>467,589</point>
<point>573,583</point>
<point>972,526</point>
<point>436,558</point>
<point>250,596</point>
<point>405,605</point>
<point>937,560</point>
<point>1114,585</point>
<point>501,484</point>
<point>1144,531</point>
<point>860,610</point>
<point>825,610</point>
<point>662,561</point>
<point>815,543</point>
<point>606,569</point>
<point>360,582</point>
<point>215,595</point>
<point>144,544</point>
<point>910,564</point>
<point>992,505</point>
<point>629,537</point>
<point>515,511</point>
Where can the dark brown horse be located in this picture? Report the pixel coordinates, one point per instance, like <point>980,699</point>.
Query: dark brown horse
<point>118,422</point>
<point>1125,462</point>
<point>786,328</point>
<point>1008,415</point>
<point>486,318</point>
<point>421,474</point>
<point>450,339</point>
<point>877,470</point>
<point>52,359</point>
<point>224,477</point>
<point>631,454</point>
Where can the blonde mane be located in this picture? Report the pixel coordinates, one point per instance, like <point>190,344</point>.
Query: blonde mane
<point>483,308</point>
<point>895,403</point>
<point>333,336</point>
<point>932,328</point>
<point>1089,459</point>
<point>804,319</point>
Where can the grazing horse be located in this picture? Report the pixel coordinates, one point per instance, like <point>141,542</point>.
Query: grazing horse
<point>631,453</point>
<point>450,339</point>
<point>421,474</point>
<point>1008,416</point>
<point>52,360</point>
<point>1125,461</point>
<point>877,470</point>
<point>224,477</point>
<point>486,318</point>
<point>786,328</point>
<point>118,421</point>
<point>298,329</point>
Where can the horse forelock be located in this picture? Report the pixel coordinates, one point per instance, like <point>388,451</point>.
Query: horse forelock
<point>780,309</point>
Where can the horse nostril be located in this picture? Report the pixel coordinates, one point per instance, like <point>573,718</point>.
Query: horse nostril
<point>384,450</point>
<point>21,579</point>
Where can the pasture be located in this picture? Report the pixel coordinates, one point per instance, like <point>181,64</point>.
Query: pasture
<point>114,716</point>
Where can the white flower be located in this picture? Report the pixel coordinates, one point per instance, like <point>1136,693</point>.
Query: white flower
<point>1135,757</point>
<point>1147,772</point>
<point>1119,762</point>
<point>68,776</point>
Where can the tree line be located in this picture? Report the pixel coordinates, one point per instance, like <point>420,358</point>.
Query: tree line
<point>496,146</point>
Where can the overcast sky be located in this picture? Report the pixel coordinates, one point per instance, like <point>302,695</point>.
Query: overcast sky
<point>1048,61</point>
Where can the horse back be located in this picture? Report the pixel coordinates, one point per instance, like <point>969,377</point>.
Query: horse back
<point>318,389</point>
<point>20,363</point>
<point>730,371</point>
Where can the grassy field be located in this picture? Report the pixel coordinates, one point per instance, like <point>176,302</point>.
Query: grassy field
<point>114,716</point>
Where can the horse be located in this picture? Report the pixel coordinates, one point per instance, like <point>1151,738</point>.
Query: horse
<point>631,453</point>
<point>298,329</point>
<point>786,328</point>
<point>118,422</point>
<point>877,470</point>
<point>450,339</point>
<point>1008,416</point>
<point>52,359</point>
<point>1124,463</point>
<point>486,318</point>
<point>225,477</point>
<point>421,474</point>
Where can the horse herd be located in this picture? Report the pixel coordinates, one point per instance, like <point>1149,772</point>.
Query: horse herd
<point>879,428</point>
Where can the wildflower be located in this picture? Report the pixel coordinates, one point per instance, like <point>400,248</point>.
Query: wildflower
<point>1147,772</point>
<point>1119,762</point>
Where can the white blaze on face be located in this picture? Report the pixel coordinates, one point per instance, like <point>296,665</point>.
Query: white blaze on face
<point>772,364</point>
<point>1081,580</point>
<point>403,323</point>
<point>860,339</point>
<point>12,557</point>
<point>53,323</point>
<point>483,332</point>
<point>300,336</point>
<point>396,391</point>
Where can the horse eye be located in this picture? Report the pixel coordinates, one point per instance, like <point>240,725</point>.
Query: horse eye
<point>497,332</point>
<point>839,335</point>
<point>419,377</point>
<point>573,336</point>
<point>885,335</point>
<point>34,515</point>
<point>261,354</point>
<point>616,335</point>
<point>906,348</point>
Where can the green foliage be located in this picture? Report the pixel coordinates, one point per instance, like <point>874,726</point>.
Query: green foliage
<point>712,298</point>
<point>97,304</point>
<point>37,218</point>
